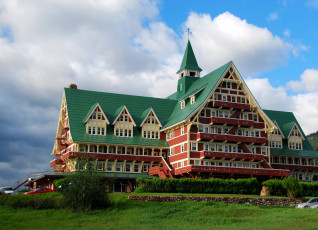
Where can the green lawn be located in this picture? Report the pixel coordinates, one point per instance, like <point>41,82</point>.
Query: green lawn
<point>142,215</point>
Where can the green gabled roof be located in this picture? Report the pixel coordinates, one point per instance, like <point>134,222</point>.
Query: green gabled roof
<point>286,121</point>
<point>189,61</point>
<point>79,102</point>
<point>210,82</point>
<point>90,111</point>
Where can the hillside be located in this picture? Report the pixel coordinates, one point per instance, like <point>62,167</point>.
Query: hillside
<point>313,139</point>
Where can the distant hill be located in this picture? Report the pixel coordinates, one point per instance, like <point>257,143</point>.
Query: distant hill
<point>313,139</point>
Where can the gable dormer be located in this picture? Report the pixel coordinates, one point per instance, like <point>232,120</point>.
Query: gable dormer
<point>295,138</point>
<point>123,123</point>
<point>189,71</point>
<point>276,137</point>
<point>96,121</point>
<point>150,125</point>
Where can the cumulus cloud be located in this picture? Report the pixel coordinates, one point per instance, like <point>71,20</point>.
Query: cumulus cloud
<point>304,105</point>
<point>308,82</point>
<point>227,37</point>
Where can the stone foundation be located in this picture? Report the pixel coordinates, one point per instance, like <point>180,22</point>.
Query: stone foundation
<point>257,201</point>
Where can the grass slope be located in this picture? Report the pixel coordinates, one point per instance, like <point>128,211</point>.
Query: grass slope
<point>142,215</point>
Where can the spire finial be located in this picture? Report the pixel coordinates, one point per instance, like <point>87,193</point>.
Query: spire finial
<point>189,32</point>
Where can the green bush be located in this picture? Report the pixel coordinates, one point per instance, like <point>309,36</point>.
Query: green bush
<point>276,187</point>
<point>215,185</point>
<point>35,201</point>
<point>85,189</point>
<point>294,188</point>
<point>62,183</point>
<point>309,188</point>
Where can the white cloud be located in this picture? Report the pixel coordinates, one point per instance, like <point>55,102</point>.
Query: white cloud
<point>308,82</point>
<point>272,17</point>
<point>304,106</point>
<point>287,33</point>
<point>227,37</point>
<point>312,4</point>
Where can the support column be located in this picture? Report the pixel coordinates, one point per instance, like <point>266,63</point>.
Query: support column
<point>125,150</point>
<point>114,166</point>
<point>152,152</point>
<point>88,148</point>
<point>143,151</point>
<point>116,150</point>
<point>134,150</point>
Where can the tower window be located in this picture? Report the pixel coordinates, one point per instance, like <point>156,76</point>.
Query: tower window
<point>180,87</point>
<point>192,74</point>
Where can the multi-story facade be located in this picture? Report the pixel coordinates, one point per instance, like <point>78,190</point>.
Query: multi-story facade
<point>212,126</point>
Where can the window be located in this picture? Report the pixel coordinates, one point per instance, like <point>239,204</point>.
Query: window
<point>89,130</point>
<point>255,117</point>
<point>91,148</point>
<point>213,113</point>
<point>247,133</point>
<point>243,100</point>
<point>145,168</point>
<point>121,132</point>
<point>100,149</point>
<point>128,151</point>
<point>82,148</point>
<point>127,168</point>
<point>119,150</point>
<point>182,104</point>
<point>213,163</point>
<point>226,148</point>
<point>206,147</point>
<point>212,130</point>
<point>234,149</point>
<point>192,74</point>
<point>239,132</point>
<point>182,130</point>
<point>220,113</point>
<point>194,146</point>
<point>233,99</point>
<point>200,129</point>
<point>226,114</point>
<point>94,131</point>
<point>136,168</point>
<point>206,163</point>
<point>206,129</point>
<point>100,166</point>
<point>196,162</point>
<point>224,98</point>
<point>202,114</point>
<point>180,89</point>
<point>192,99</point>
<point>219,130</point>
<point>94,116</point>
<point>118,167</point>
<point>228,85</point>
<point>109,166</point>
<point>103,131</point>
<point>99,116</point>
<point>263,151</point>
<point>220,148</point>
<point>245,116</point>
<point>182,148</point>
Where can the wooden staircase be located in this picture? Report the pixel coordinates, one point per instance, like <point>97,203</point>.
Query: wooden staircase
<point>164,171</point>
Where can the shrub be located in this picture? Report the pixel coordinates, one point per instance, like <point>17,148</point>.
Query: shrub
<point>86,189</point>
<point>214,185</point>
<point>309,188</point>
<point>294,188</point>
<point>275,186</point>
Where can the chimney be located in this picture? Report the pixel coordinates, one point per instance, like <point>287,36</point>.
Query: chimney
<point>73,86</point>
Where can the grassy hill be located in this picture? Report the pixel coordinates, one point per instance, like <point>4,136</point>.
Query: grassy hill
<point>313,139</point>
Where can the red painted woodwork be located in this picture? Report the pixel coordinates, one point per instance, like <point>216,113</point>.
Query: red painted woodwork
<point>231,105</point>
<point>229,138</point>
<point>178,157</point>
<point>219,155</point>
<point>228,170</point>
<point>230,121</point>
<point>295,167</point>
<point>109,156</point>
<point>177,140</point>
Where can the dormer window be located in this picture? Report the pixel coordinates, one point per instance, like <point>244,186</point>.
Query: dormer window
<point>182,104</point>
<point>192,99</point>
<point>150,125</point>
<point>295,138</point>
<point>96,121</point>
<point>124,123</point>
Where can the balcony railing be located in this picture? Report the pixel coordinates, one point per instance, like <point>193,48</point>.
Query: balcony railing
<point>229,170</point>
<point>226,104</point>
<point>104,156</point>
<point>229,138</point>
<point>295,167</point>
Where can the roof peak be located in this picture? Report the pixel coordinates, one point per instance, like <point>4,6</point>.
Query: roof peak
<point>189,61</point>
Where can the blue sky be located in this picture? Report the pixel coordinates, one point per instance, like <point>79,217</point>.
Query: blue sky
<point>135,47</point>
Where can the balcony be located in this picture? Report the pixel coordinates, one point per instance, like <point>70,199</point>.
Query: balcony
<point>295,167</point>
<point>225,104</point>
<point>228,170</point>
<point>110,156</point>
<point>229,138</point>
<point>229,121</point>
<point>245,156</point>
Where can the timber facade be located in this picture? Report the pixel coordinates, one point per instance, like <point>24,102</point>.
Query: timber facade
<point>212,126</point>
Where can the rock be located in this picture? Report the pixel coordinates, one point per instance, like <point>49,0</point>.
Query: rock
<point>265,191</point>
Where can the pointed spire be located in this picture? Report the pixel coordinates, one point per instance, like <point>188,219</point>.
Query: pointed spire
<point>189,61</point>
